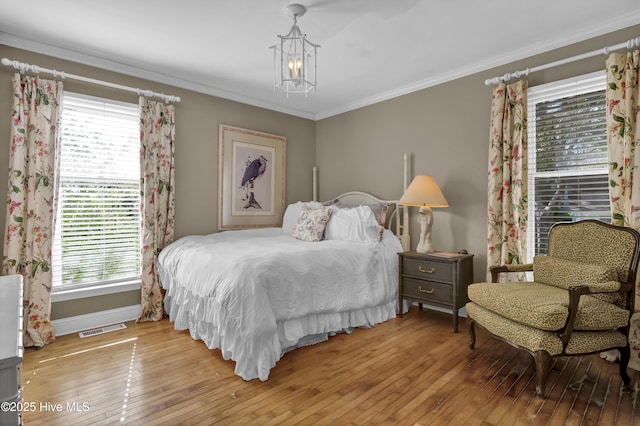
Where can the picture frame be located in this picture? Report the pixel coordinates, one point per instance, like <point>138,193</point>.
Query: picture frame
<point>251,178</point>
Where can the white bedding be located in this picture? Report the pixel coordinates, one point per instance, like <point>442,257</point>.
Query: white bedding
<point>257,293</point>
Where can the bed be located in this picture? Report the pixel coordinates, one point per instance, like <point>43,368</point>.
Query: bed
<point>256,294</point>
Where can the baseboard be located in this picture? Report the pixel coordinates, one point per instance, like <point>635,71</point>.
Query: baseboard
<point>96,319</point>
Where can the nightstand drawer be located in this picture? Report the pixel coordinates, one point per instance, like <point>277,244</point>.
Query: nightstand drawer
<point>428,270</point>
<point>428,291</point>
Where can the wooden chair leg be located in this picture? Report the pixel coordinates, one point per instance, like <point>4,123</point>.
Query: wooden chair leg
<point>471,325</point>
<point>542,359</point>
<point>625,356</point>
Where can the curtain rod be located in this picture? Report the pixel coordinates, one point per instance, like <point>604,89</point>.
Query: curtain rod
<point>22,66</point>
<point>629,44</point>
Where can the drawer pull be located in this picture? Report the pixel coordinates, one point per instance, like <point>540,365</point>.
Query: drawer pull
<point>422,290</point>
<point>427,271</point>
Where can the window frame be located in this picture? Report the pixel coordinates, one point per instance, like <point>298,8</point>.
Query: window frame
<point>585,83</point>
<point>104,287</point>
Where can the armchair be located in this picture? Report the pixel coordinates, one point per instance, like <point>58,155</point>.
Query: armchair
<point>579,302</point>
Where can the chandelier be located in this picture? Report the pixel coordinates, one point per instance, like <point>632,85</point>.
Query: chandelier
<point>294,58</point>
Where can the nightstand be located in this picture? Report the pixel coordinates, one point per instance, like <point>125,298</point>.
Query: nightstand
<point>439,279</point>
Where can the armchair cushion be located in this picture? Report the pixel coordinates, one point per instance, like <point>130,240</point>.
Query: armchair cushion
<point>564,273</point>
<point>535,340</point>
<point>546,307</point>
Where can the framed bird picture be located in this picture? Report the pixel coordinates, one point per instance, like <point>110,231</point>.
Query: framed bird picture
<point>251,178</point>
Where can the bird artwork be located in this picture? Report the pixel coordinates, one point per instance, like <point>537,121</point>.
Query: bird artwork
<point>254,169</point>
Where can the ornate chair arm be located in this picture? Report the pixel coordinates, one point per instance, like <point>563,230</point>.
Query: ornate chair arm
<point>575,293</point>
<point>497,270</point>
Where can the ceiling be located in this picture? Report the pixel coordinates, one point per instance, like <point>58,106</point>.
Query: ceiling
<point>371,50</point>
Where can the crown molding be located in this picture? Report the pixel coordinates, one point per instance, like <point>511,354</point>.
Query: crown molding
<point>493,62</point>
<point>113,64</point>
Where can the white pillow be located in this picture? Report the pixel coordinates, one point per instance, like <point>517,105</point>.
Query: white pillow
<point>292,213</point>
<point>356,224</point>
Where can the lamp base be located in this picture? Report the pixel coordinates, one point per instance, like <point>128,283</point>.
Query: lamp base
<point>425,219</point>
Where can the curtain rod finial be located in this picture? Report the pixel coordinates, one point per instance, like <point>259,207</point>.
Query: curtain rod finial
<point>634,42</point>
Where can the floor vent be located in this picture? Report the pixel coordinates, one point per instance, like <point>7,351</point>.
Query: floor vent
<point>101,330</point>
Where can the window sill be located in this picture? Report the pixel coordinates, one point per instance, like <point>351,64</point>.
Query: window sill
<point>98,290</point>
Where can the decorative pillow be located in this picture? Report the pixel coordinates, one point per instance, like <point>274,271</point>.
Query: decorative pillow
<point>566,273</point>
<point>380,212</point>
<point>357,224</point>
<point>292,213</point>
<point>311,223</point>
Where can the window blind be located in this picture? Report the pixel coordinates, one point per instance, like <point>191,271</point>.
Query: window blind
<point>97,238</point>
<point>568,165</point>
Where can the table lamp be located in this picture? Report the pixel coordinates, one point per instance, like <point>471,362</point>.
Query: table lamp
<point>424,193</point>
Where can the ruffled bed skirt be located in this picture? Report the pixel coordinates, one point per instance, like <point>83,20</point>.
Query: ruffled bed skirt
<point>257,353</point>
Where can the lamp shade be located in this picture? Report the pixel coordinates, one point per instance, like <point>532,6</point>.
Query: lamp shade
<point>423,191</point>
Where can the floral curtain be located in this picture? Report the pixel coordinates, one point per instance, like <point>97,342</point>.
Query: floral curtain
<point>624,181</point>
<point>30,200</point>
<point>507,183</point>
<point>157,138</point>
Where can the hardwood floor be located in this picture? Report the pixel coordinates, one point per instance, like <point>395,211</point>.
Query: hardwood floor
<point>411,370</point>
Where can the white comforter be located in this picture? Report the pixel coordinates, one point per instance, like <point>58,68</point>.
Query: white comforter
<point>255,294</point>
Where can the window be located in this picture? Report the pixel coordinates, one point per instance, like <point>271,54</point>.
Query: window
<point>568,166</point>
<point>97,238</point>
